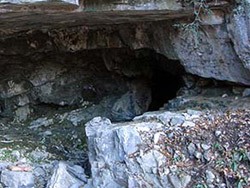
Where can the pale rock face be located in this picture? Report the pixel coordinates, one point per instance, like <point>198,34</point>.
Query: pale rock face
<point>118,156</point>
<point>67,176</point>
<point>17,179</point>
<point>239,31</point>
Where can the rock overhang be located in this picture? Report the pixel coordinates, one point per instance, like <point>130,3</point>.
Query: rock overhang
<point>67,29</point>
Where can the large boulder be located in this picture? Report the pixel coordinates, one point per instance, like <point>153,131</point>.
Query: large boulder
<point>166,149</point>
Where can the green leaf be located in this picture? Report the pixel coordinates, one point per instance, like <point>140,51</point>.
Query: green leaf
<point>234,166</point>
<point>240,184</point>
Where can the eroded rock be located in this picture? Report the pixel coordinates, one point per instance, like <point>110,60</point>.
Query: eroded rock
<point>16,179</point>
<point>67,176</point>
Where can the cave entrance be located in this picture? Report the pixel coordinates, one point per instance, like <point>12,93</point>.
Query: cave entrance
<point>164,88</point>
<point>53,95</point>
<point>166,80</point>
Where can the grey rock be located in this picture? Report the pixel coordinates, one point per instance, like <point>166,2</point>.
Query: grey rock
<point>194,112</point>
<point>207,155</point>
<point>175,181</point>
<point>205,146</point>
<point>191,148</point>
<point>248,156</point>
<point>39,154</point>
<point>4,165</point>
<point>210,176</point>
<point>246,92</point>
<point>185,180</point>
<point>65,175</point>
<point>14,179</point>
<point>173,168</point>
<point>217,133</point>
<point>177,121</point>
<point>111,151</point>
<point>41,122</point>
<point>47,133</point>
<point>198,154</point>
<point>239,31</point>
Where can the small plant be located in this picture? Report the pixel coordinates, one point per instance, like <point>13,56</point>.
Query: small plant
<point>218,147</point>
<point>193,28</point>
<point>237,157</point>
<point>242,182</point>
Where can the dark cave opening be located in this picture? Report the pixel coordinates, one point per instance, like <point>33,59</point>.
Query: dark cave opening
<point>164,88</point>
<point>166,81</point>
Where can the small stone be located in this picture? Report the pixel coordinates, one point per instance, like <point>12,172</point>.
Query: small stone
<point>205,146</point>
<point>41,122</point>
<point>185,180</point>
<point>157,137</point>
<point>175,181</point>
<point>22,160</point>
<point>154,170</point>
<point>188,124</point>
<point>217,133</point>
<point>191,149</point>
<point>224,95</point>
<point>210,176</point>
<point>47,133</point>
<point>198,155</point>
<point>16,154</point>
<point>166,171</point>
<point>173,168</point>
<point>176,121</point>
<point>194,112</point>
<point>223,185</point>
<point>171,135</point>
<point>246,92</point>
<point>207,155</point>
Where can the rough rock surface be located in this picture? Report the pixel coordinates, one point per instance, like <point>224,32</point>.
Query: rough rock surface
<point>60,80</point>
<point>170,149</point>
<point>239,31</point>
<point>17,179</point>
<point>67,176</point>
<point>61,66</point>
<point>222,51</point>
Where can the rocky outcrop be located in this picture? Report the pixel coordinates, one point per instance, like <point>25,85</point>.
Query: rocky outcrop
<point>65,175</point>
<point>110,61</point>
<point>239,31</point>
<point>168,149</point>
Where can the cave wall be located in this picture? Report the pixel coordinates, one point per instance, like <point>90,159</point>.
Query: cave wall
<point>30,85</point>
